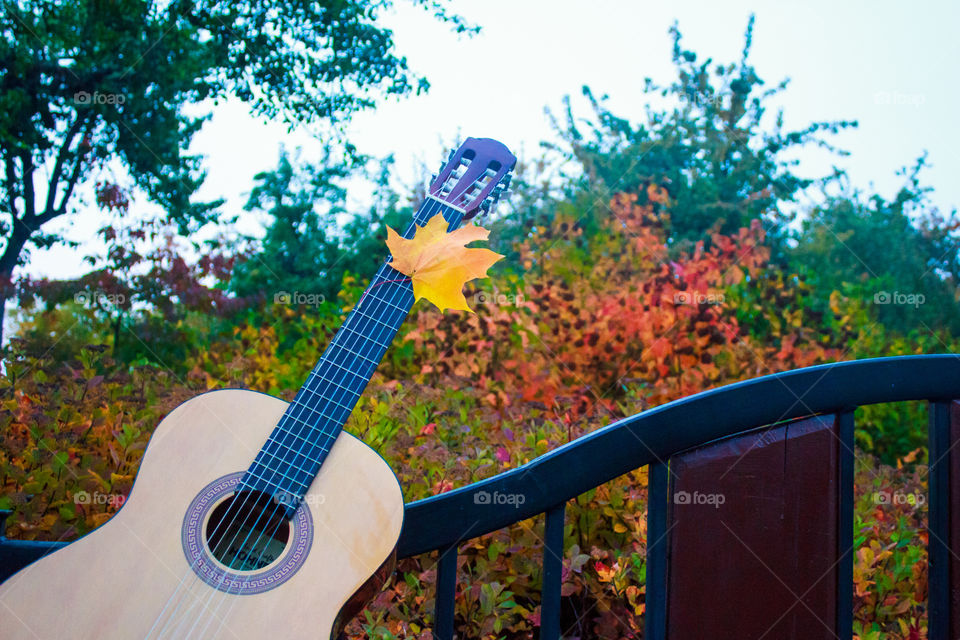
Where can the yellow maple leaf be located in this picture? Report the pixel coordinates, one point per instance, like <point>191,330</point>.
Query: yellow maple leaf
<point>439,263</point>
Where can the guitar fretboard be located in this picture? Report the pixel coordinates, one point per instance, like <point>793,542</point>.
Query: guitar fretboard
<point>290,459</point>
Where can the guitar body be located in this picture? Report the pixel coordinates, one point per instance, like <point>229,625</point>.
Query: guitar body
<point>131,578</point>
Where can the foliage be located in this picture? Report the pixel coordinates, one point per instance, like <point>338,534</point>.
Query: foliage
<point>714,148</point>
<point>890,566</point>
<point>72,440</point>
<point>605,319</point>
<point>72,432</point>
<point>660,269</point>
<point>306,252</point>
<point>144,297</point>
<point>91,86</point>
<point>899,256</point>
<point>78,429</point>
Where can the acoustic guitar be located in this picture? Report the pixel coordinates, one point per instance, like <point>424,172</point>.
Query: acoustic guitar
<point>251,517</point>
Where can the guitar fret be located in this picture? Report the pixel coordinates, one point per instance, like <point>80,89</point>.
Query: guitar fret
<point>268,482</point>
<point>346,327</point>
<point>361,356</point>
<point>290,464</point>
<point>270,469</point>
<point>317,375</point>
<point>381,322</point>
<point>387,302</point>
<point>322,397</point>
<point>286,432</point>
<point>302,438</point>
<point>307,424</point>
<point>351,371</point>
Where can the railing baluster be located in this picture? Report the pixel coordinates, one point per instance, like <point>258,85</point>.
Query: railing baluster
<point>938,522</point>
<point>845,460</point>
<point>658,491</point>
<point>552,573</point>
<point>446,593</point>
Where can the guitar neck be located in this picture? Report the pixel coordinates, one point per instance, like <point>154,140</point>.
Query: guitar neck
<point>292,455</point>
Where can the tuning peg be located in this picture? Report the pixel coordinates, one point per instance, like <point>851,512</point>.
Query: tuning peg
<point>505,183</point>
<point>485,206</point>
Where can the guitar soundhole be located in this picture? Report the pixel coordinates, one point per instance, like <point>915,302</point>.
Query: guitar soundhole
<point>247,531</point>
<point>239,542</point>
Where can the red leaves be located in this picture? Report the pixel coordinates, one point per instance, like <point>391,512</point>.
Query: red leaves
<point>112,197</point>
<point>582,334</point>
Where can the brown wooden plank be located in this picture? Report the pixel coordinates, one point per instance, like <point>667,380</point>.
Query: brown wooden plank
<point>954,519</point>
<point>752,536</point>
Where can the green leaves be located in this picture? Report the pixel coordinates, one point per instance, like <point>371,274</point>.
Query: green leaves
<point>86,85</point>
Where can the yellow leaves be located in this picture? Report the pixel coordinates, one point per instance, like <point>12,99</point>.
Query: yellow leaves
<point>439,263</point>
<point>605,573</point>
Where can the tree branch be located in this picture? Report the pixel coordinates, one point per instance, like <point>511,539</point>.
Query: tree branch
<point>29,198</point>
<point>52,213</point>
<point>11,179</point>
<point>61,159</point>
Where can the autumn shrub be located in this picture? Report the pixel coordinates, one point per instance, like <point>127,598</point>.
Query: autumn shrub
<point>592,328</point>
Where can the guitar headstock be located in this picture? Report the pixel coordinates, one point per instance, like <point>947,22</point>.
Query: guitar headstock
<point>474,176</point>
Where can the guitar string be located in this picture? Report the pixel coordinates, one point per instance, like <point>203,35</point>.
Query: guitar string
<point>395,320</point>
<point>297,412</point>
<point>282,435</point>
<point>374,348</point>
<point>302,407</point>
<point>173,614</point>
<point>268,477</point>
<point>259,542</point>
<point>395,315</point>
<point>331,356</point>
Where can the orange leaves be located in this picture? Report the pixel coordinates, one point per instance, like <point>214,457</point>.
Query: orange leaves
<point>614,314</point>
<point>605,573</point>
<point>439,263</point>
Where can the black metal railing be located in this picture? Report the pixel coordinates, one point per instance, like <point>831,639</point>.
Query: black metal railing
<point>441,523</point>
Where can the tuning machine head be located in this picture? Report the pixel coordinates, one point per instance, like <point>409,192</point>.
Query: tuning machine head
<point>472,174</point>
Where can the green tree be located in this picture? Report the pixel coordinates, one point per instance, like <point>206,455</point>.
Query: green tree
<point>311,239</point>
<point>89,83</point>
<point>901,257</point>
<point>715,149</point>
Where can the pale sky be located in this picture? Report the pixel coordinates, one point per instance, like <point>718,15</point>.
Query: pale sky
<point>889,65</point>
